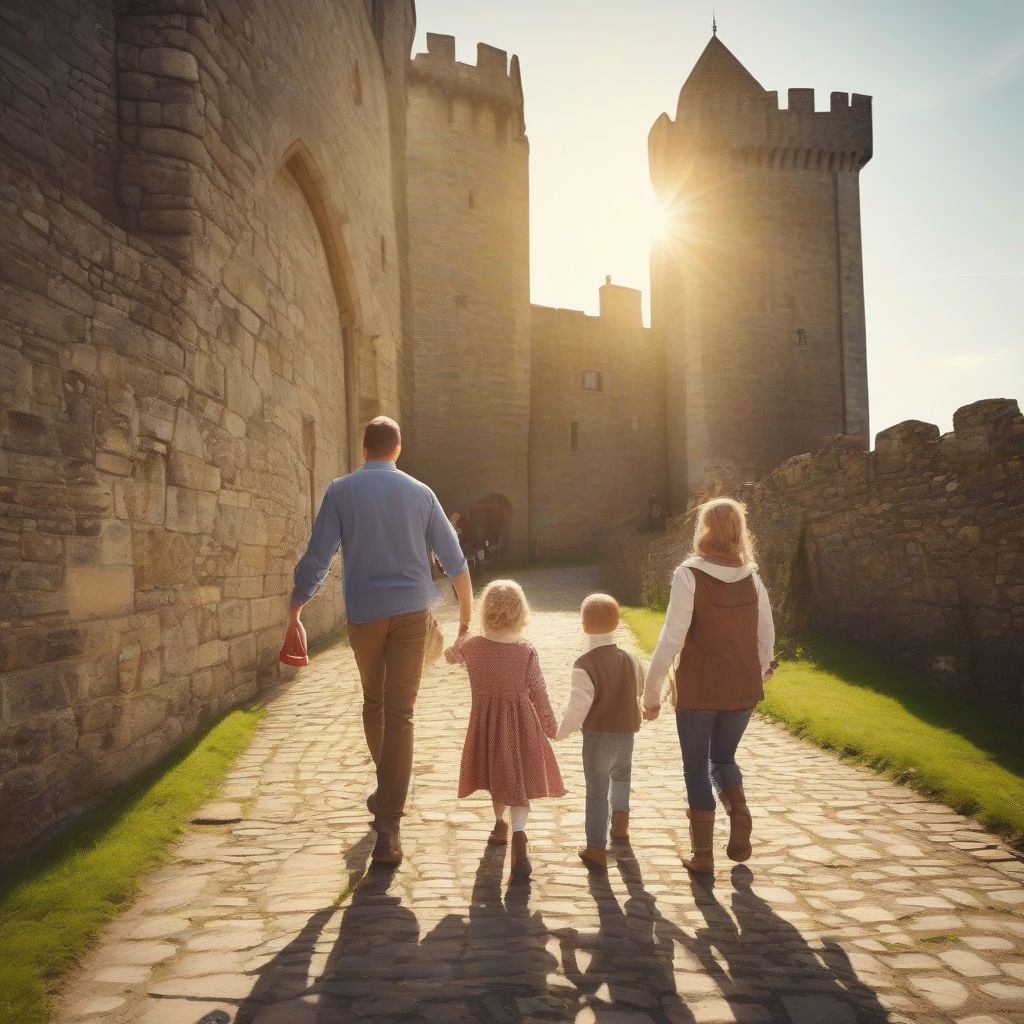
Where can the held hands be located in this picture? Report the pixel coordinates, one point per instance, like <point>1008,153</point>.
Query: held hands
<point>770,671</point>
<point>650,714</point>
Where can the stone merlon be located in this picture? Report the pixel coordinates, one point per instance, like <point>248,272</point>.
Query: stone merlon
<point>493,79</point>
<point>723,107</point>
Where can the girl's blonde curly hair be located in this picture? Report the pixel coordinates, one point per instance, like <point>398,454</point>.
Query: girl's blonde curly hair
<point>503,607</point>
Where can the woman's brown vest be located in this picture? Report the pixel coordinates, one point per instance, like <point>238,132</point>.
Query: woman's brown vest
<point>719,667</point>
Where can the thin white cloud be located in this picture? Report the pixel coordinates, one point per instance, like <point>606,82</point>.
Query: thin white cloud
<point>982,273</point>
<point>969,360</point>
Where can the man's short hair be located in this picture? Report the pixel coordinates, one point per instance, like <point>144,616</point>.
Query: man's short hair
<point>381,437</point>
<point>600,613</point>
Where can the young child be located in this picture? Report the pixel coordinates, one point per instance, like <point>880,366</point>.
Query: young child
<point>507,751</point>
<point>604,700</point>
<point>719,623</point>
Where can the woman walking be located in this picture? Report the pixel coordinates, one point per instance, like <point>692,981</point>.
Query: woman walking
<point>719,622</point>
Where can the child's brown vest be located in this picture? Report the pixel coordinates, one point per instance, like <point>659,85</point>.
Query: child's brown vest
<point>719,667</point>
<point>616,706</point>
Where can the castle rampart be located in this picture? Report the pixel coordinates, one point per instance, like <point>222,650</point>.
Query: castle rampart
<point>914,550</point>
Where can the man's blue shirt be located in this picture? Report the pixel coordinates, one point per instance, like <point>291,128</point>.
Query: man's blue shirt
<point>386,523</point>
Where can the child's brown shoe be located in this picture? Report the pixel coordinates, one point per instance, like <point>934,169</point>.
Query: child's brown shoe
<point>620,826</point>
<point>499,834</point>
<point>594,857</point>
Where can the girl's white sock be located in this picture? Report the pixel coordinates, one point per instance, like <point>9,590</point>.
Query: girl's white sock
<point>519,816</point>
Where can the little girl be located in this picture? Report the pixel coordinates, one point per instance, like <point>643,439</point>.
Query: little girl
<point>507,750</point>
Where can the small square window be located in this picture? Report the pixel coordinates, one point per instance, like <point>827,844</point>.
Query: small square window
<point>593,380</point>
<point>472,200</point>
<point>574,436</point>
<point>801,337</point>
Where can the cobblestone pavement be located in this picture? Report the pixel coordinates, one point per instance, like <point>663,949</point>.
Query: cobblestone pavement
<point>863,901</point>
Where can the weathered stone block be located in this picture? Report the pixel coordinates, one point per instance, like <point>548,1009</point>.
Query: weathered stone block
<point>162,558</point>
<point>116,464</point>
<point>190,511</point>
<point>99,590</point>
<point>170,63</point>
<point>27,433</point>
<point>41,547</point>
<point>211,653</point>
<point>36,690</point>
<point>190,471</point>
<point>143,499</point>
<point>232,618</point>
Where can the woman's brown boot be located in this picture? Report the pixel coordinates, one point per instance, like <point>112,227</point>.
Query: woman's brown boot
<point>594,857</point>
<point>620,826</point>
<point>702,836</point>
<point>521,866</point>
<point>499,834</point>
<point>740,824</point>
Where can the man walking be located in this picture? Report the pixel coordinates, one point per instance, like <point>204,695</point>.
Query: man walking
<point>387,524</point>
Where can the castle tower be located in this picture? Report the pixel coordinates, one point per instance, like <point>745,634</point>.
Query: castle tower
<point>469,336</point>
<point>757,289</point>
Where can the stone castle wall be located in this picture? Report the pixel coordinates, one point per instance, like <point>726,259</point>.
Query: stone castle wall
<point>756,285</point>
<point>595,455</point>
<point>469,268</point>
<point>915,549</point>
<point>200,299</point>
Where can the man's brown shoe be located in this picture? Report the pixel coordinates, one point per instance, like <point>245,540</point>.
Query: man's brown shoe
<point>521,866</point>
<point>499,834</point>
<point>620,826</point>
<point>388,849</point>
<point>594,857</point>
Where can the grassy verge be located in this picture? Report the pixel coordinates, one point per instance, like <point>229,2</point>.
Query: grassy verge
<point>57,907</point>
<point>942,743</point>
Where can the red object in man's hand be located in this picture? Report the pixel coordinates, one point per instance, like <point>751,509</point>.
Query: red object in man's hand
<point>293,650</point>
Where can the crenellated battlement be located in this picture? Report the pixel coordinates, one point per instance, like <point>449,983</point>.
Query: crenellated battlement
<point>723,110</point>
<point>493,80</point>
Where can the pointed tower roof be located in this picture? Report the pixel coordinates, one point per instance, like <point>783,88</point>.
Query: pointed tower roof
<point>718,72</point>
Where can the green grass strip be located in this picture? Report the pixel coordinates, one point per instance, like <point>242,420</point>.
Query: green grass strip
<point>53,912</point>
<point>944,743</point>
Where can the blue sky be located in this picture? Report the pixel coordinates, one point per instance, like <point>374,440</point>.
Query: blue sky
<point>942,200</point>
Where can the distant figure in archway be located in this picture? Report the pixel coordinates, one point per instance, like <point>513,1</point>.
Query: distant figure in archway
<point>388,526</point>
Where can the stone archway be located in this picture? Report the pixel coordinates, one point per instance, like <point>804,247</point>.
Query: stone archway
<point>487,524</point>
<point>292,323</point>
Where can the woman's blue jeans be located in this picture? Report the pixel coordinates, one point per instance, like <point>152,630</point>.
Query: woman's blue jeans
<point>708,740</point>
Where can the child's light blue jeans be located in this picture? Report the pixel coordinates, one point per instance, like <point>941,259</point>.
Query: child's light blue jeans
<point>607,764</point>
<point>708,740</point>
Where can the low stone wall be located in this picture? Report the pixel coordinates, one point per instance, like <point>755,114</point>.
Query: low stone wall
<point>915,549</point>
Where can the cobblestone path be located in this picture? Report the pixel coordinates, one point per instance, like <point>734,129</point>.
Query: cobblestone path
<point>863,902</point>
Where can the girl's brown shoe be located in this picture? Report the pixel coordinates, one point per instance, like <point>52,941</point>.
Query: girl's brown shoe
<point>499,834</point>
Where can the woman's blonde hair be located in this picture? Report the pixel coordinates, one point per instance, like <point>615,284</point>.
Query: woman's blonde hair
<point>721,532</point>
<point>503,607</point>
